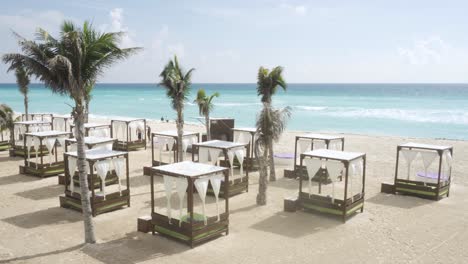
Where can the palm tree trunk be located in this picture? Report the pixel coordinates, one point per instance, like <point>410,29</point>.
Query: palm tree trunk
<point>263,174</point>
<point>83,175</point>
<point>208,128</point>
<point>180,133</point>
<point>272,161</point>
<point>26,108</point>
<point>86,115</point>
<point>12,136</point>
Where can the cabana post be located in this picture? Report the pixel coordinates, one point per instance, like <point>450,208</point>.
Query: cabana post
<point>37,117</point>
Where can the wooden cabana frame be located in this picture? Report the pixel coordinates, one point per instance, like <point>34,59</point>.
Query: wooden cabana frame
<point>66,121</point>
<point>236,186</point>
<point>130,143</point>
<point>333,206</point>
<point>43,169</point>
<point>172,134</point>
<point>423,189</point>
<point>99,204</point>
<point>92,126</point>
<point>189,232</point>
<point>251,132</point>
<point>37,117</point>
<point>18,148</point>
<point>327,139</point>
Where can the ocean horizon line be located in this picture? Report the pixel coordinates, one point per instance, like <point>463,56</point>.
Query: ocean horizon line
<point>289,83</point>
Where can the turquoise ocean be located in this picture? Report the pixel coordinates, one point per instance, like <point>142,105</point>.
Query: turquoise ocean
<point>414,110</point>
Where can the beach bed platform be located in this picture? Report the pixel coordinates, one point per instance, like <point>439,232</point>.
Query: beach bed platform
<point>130,133</point>
<point>166,141</point>
<point>189,227</point>
<point>354,166</point>
<point>433,182</point>
<point>102,165</point>
<point>233,155</point>
<point>312,141</point>
<point>42,167</point>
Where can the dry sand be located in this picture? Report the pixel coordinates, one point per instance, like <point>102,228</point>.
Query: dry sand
<point>392,229</point>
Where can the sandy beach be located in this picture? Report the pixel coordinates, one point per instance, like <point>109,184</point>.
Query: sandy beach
<point>392,229</point>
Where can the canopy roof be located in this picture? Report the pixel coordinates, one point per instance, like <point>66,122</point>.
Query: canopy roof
<point>93,140</point>
<point>320,136</point>
<point>333,154</point>
<point>129,119</point>
<point>173,133</point>
<point>424,146</point>
<point>220,144</point>
<point>50,133</point>
<point>33,122</point>
<point>245,129</point>
<point>188,169</point>
<point>98,154</point>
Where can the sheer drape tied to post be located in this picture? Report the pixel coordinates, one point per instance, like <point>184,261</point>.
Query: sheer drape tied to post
<point>168,183</point>
<point>312,166</point>
<point>181,187</point>
<point>50,144</point>
<point>409,156</point>
<point>334,169</point>
<point>119,167</point>
<point>215,181</point>
<point>102,168</point>
<point>202,187</point>
<point>72,164</point>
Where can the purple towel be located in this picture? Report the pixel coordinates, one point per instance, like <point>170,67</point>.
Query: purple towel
<point>431,175</point>
<point>284,155</point>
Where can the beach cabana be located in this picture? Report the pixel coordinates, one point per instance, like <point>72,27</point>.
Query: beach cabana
<point>426,172</point>
<point>166,141</point>
<point>93,129</point>
<point>37,164</point>
<point>102,165</point>
<point>246,135</point>
<point>61,123</point>
<point>22,127</point>
<point>220,128</point>
<point>334,197</point>
<point>4,140</point>
<point>129,132</point>
<point>210,151</point>
<point>311,141</point>
<point>37,117</point>
<point>187,226</point>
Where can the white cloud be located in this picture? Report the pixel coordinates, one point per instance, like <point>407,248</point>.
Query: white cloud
<point>300,10</point>
<point>116,16</point>
<point>176,49</point>
<point>426,51</point>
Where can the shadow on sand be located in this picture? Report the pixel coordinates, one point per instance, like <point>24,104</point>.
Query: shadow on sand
<point>49,216</point>
<point>45,254</point>
<point>400,201</point>
<point>135,247</point>
<point>42,193</point>
<point>296,225</point>
<point>17,178</point>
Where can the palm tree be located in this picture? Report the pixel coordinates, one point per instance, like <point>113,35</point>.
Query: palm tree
<point>267,85</point>
<point>7,121</point>
<point>67,65</point>
<point>22,79</point>
<point>270,125</point>
<point>177,84</point>
<point>205,106</point>
<point>89,88</point>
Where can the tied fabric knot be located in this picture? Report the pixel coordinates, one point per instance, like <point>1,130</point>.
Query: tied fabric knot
<point>202,187</point>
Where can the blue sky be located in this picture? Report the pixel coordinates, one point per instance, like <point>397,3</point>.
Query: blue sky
<point>226,41</point>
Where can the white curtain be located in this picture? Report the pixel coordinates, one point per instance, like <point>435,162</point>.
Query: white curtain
<point>36,143</point>
<point>119,167</point>
<point>50,143</point>
<point>29,145</point>
<point>304,145</point>
<point>312,165</point>
<point>203,155</point>
<point>181,186</point>
<point>168,183</point>
<point>240,154</point>
<point>214,155</point>
<point>72,163</point>
<point>334,171</point>
<point>102,168</point>
<point>202,186</point>
<point>428,157</point>
<point>409,156</point>
<point>319,144</point>
<point>216,184</point>
<point>335,145</point>
<point>357,170</point>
